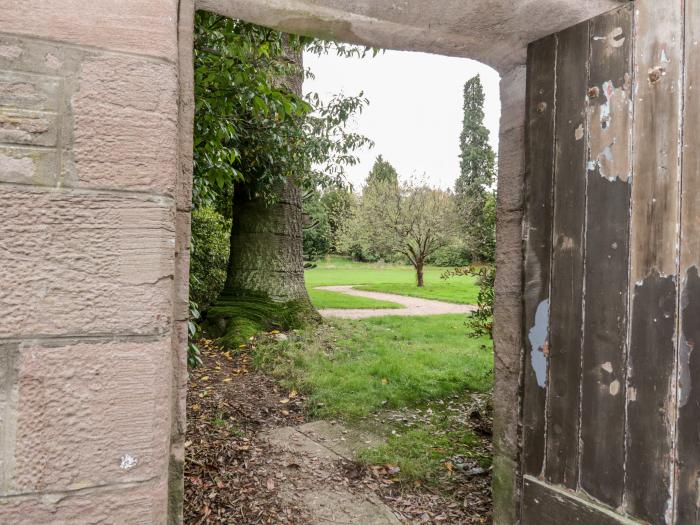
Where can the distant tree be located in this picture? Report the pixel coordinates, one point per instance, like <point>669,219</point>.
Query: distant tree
<point>474,186</point>
<point>382,171</point>
<point>325,211</point>
<point>410,219</point>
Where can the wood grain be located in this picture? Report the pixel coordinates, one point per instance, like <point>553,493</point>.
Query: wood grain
<point>538,244</point>
<point>606,259</point>
<point>688,510</point>
<point>566,306</point>
<point>653,258</point>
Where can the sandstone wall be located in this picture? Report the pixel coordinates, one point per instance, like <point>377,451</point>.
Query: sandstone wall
<point>91,321</point>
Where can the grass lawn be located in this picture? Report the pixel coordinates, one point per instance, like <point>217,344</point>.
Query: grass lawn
<point>325,299</point>
<point>354,370</point>
<point>390,278</point>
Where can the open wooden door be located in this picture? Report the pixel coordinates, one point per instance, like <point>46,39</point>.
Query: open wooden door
<point>611,410</point>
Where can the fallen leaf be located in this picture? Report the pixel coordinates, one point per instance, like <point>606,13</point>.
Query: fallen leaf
<point>284,401</point>
<point>270,484</point>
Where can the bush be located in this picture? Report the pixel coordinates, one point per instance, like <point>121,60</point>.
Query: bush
<point>480,323</point>
<point>450,256</point>
<point>208,255</point>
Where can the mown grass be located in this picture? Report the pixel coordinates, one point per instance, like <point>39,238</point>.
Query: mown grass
<point>391,278</point>
<point>349,369</point>
<point>324,299</point>
<point>353,370</point>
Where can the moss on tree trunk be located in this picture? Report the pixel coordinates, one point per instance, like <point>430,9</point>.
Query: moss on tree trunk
<point>265,286</point>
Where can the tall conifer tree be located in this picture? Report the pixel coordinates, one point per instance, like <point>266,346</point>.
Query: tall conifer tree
<point>473,188</point>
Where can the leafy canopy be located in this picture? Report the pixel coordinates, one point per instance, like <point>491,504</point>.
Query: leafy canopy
<point>410,219</point>
<point>251,128</point>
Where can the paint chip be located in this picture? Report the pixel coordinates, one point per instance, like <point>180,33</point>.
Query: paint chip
<point>538,343</point>
<point>579,132</point>
<point>607,367</point>
<point>615,388</point>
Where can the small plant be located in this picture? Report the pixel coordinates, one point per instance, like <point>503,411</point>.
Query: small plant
<point>480,323</point>
<point>194,356</point>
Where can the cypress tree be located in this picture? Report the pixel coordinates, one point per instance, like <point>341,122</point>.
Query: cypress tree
<point>474,186</point>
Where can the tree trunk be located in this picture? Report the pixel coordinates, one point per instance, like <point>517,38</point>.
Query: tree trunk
<point>265,277</point>
<point>419,273</point>
<point>266,247</point>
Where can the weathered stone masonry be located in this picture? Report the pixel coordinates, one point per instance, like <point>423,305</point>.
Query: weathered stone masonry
<point>88,314</point>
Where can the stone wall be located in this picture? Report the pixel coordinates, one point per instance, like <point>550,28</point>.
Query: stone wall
<point>508,303</point>
<point>89,249</point>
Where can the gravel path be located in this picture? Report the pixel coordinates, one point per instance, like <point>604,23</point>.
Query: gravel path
<point>412,306</point>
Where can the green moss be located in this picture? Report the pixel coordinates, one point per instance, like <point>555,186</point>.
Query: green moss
<point>504,497</point>
<point>237,317</point>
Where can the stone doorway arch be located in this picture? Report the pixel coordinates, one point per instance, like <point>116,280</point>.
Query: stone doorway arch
<point>96,170</point>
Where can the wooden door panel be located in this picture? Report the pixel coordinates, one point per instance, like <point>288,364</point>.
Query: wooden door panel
<point>606,428</point>
<point>653,260</point>
<point>687,505</point>
<point>538,245</point>
<point>608,190</point>
<point>548,505</point>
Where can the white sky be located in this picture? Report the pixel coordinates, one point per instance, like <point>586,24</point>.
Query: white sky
<point>415,110</point>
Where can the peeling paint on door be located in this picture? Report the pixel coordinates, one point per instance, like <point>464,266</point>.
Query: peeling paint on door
<point>538,336</point>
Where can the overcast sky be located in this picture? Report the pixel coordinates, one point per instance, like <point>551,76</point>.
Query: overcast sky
<point>415,111</point>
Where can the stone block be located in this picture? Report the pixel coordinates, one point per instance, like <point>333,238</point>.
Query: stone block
<point>182,266</point>
<point>125,124</point>
<point>511,169</point>
<point>513,90</point>
<point>85,413</point>
<point>146,27</point>
<point>72,117</point>
<point>179,381</point>
<point>77,262</point>
<point>143,504</point>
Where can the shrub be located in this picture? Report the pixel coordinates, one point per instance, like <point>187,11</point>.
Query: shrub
<point>208,255</point>
<point>450,256</point>
<point>480,323</point>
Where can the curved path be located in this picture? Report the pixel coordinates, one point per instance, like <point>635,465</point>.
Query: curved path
<point>412,306</point>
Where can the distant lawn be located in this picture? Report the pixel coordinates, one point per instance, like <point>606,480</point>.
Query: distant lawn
<point>390,278</point>
<point>349,369</point>
<point>461,290</point>
<point>325,299</point>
